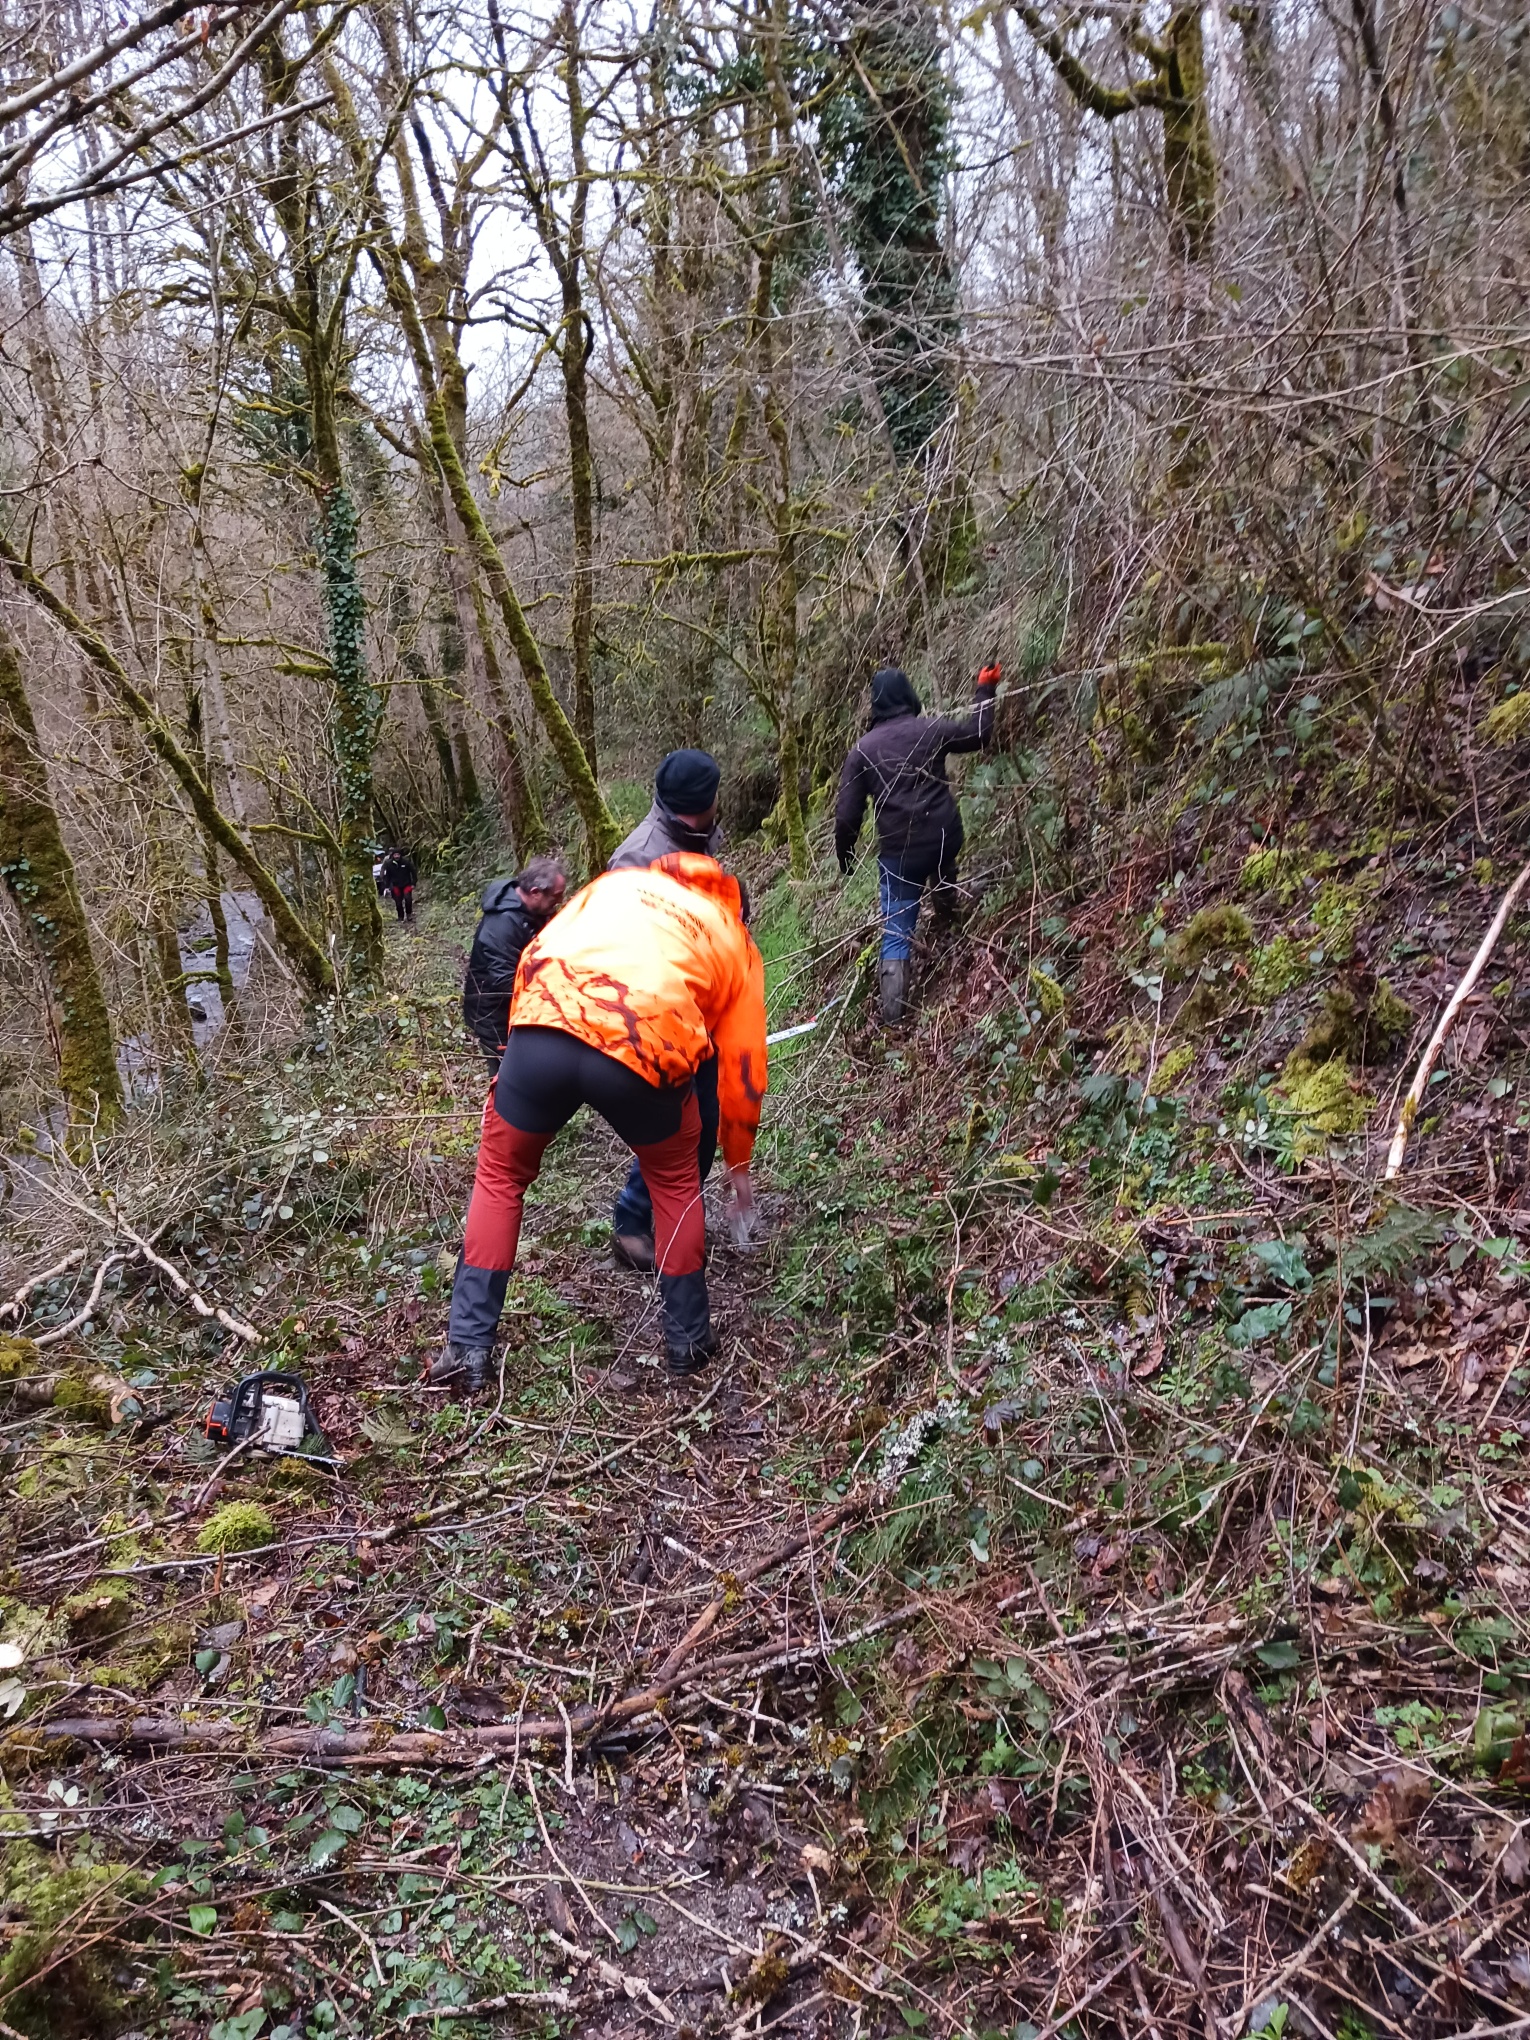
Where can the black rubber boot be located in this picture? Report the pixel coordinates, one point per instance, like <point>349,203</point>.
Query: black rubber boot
<point>464,1369</point>
<point>688,1340</point>
<point>892,990</point>
<point>633,1250</point>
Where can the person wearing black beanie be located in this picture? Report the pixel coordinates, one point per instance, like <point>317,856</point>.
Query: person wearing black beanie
<point>683,817</point>
<point>900,767</point>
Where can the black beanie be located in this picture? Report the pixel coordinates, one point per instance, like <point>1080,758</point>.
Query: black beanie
<point>687,782</point>
<point>892,694</point>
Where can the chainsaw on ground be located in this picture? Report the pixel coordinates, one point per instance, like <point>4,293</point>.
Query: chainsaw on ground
<point>272,1411</point>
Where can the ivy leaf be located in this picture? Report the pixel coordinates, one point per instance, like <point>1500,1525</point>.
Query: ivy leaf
<point>348,1819</point>
<point>330,1843</point>
<point>1285,1261</point>
<point>1279,1657</point>
<point>203,1918</point>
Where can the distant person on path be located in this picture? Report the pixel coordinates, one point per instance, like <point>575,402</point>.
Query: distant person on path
<point>683,817</point>
<point>642,977</point>
<point>900,766</point>
<point>398,877</point>
<point>512,911</point>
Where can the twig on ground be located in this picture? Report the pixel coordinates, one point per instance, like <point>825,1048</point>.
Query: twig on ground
<point>1446,1021</point>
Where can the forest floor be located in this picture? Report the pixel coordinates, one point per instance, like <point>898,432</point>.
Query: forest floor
<point>1088,1596</point>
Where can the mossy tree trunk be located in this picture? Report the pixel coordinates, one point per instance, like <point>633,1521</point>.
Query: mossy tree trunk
<point>38,873</point>
<point>887,132</point>
<point>1176,90</point>
<point>523,812</point>
<point>442,378</point>
<point>563,243</point>
<point>353,727</point>
<point>305,955</point>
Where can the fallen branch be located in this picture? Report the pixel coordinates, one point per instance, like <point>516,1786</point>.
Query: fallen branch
<point>58,1332</point>
<point>378,1745</point>
<point>560,2000</point>
<point>97,1394</point>
<point>179,1283</point>
<point>13,1304</point>
<point>1447,1020</point>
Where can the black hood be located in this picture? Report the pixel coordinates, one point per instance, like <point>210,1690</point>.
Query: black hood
<point>892,695</point>
<point>503,893</point>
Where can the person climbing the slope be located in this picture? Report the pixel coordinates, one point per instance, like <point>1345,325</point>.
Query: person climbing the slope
<point>511,912</point>
<point>900,765</point>
<point>642,976</point>
<point>397,878</point>
<point>683,817</point>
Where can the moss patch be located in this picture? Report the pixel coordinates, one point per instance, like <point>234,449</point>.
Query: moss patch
<point>1281,964</point>
<point>47,1908</point>
<point>99,1613</point>
<point>237,1526</point>
<point>1323,1103</point>
<point>1337,912</point>
<point>1047,992</point>
<point>17,1357</point>
<point>1212,932</point>
<point>1354,1028</point>
<point>1172,1068</point>
<point>1508,721</point>
<point>1260,870</point>
<point>1198,1011</point>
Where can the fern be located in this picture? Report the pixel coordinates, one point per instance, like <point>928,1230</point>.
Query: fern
<point>1401,1239</point>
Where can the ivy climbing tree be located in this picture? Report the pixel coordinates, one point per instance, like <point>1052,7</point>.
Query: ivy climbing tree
<point>309,289</point>
<point>886,133</point>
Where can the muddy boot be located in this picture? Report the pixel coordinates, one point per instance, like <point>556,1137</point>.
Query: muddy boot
<point>892,990</point>
<point>633,1250</point>
<point>465,1370</point>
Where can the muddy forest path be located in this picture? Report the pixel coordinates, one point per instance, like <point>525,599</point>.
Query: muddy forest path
<point>527,1696</point>
<point>1087,1594</point>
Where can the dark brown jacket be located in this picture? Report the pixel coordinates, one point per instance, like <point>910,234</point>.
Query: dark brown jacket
<point>900,766</point>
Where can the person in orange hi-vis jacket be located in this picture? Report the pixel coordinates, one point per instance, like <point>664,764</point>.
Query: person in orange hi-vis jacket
<point>643,976</point>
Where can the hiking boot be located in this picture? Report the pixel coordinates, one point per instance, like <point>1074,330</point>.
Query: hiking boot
<point>689,1359</point>
<point>892,990</point>
<point>949,912</point>
<point>633,1250</point>
<point>464,1369</point>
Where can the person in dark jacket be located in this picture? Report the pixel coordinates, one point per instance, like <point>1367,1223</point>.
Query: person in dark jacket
<point>683,817</point>
<point>511,912</point>
<point>900,766</point>
<point>397,880</point>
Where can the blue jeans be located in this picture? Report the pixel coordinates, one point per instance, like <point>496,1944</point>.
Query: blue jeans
<point>634,1207</point>
<point>900,913</point>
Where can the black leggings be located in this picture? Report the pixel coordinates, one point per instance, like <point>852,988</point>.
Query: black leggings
<point>545,1076</point>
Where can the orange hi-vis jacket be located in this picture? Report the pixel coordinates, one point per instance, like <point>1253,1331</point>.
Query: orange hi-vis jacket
<point>655,967</point>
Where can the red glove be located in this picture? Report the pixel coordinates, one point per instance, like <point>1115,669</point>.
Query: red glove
<point>991,675</point>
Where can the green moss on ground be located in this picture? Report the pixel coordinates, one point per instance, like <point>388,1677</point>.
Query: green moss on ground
<point>98,1613</point>
<point>1353,1028</point>
<point>1213,932</point>
<point>1280,964</point>
<point>1324,1104</point>
<point>49,1905</point>
<point>237,1526</point>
